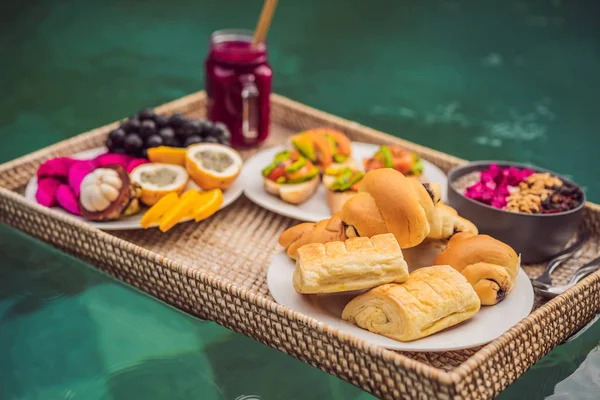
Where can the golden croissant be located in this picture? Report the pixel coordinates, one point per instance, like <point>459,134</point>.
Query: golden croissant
<point>490,265</point>
<point>432,299</point>
<point>327,230</point>
<point>387,202</point>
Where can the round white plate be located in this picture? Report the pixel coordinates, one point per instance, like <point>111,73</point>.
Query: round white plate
<point>485,326</point>
<point>133,221</point>
<point>315,208</point>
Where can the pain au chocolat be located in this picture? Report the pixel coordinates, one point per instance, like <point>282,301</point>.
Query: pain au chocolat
<point>490,265</point>
<point>432,299</point>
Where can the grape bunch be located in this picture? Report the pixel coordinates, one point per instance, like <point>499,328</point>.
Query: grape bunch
<point>147,129</point>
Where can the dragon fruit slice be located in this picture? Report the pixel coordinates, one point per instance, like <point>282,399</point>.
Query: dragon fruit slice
<point>78,171</point>
<point>113,159</point>
<point>46,191</point>
<point>67,200</point>
<point>134,163</point>
<point>55,168</point>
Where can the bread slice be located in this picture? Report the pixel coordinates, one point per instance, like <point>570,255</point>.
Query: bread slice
<point>336,200</point>
<point>294,193</point>
<point>350,162</point>
<point>355,264</point>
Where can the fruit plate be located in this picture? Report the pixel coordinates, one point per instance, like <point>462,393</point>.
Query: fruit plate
<point>132,221</point>
<point>488,324</point>
<point>315,208</point>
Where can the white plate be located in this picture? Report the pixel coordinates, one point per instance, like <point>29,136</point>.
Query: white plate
<point>133,221</point>
<point>315,208</point>
<point>485,326</point>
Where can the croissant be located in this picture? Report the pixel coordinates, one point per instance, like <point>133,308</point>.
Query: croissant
<point>327,230</point>
<point>432,299</point>
<point>490,265</point>
<point>389,202</point>
<point>356,264</point>
<point>447,222</point>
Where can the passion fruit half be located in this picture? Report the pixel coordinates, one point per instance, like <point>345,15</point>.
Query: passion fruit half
<point>158,180</point>
<point>213,166</point>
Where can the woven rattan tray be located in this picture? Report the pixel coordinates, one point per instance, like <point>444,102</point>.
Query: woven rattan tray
<point>216,270</point>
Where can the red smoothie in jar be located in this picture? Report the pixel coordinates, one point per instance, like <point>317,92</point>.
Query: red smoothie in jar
<point>238,84</point>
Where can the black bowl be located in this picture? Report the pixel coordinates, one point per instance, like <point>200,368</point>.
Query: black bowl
<point>537,237</point>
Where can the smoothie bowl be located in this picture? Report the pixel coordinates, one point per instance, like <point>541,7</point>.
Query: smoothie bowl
<point>533,210</point>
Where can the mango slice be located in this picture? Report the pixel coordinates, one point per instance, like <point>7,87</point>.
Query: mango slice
<point>181,210</point>
<point>167,155</point>
<point>155,213</point>
<point>209,203</point>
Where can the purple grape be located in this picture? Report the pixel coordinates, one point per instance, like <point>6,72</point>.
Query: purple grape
<point>146,114</point>
<point>148,128</point>
<point>192,140</point>
<point>161,121</point>
<point>176,120</point>
<point>154,141</point>
<point>131,125</point>
<point>116,137</point>
<point>133,143</point>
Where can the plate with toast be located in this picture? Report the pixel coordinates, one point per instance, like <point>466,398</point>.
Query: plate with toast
<point>311,177</point>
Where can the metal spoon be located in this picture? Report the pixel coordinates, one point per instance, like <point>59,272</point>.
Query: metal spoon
<point>553,291</point>
<point>561,257</point>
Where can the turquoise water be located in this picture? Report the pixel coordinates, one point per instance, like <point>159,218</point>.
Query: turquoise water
<point>70,332</point>
<point>513,80</point>
<point>509,79</point>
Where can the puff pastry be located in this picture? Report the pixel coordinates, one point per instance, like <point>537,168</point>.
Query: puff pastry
<point>357,263</point>
<point>432,299</point>
<point>490,265</point>
<point>327,230</point>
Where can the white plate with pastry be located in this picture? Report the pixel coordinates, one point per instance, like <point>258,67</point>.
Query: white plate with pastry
<point>423,290</point>
<point>308,200</point>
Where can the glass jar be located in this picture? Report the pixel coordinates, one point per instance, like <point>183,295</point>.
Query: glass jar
<point>238,85</point>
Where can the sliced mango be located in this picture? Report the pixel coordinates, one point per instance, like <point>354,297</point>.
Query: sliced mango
<point>155,213</point>
<point>210,202</point>
<point>167,155</point>
<point>181,210</point>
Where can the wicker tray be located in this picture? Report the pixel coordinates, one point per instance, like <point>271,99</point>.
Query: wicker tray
<point>217,271</point>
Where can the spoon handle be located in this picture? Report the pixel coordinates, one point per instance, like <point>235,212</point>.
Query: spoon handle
<point>586,270</point>
<point>560,258</point>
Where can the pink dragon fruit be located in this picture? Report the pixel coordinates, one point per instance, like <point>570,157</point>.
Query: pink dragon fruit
<point>134,163</point>
<point>67,200</point>
<point>492,188</point>
<point>55,168</point>
<point>113,159</point>
<point>526,173</point>
<point>46,191</point>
